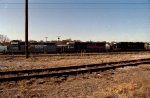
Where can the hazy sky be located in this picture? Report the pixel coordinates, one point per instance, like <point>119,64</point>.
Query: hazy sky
<point>96,20</point>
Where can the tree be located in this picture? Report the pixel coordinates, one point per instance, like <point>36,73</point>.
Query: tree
<point>32,41</point>
<point>65,41</point>
<point>4,39</point>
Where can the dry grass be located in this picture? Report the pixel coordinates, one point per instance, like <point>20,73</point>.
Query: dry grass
<point>123,83</point>
<point>17,63</point>
<point>128,82</point>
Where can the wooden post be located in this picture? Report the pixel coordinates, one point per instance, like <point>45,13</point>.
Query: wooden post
<point>26,29</point>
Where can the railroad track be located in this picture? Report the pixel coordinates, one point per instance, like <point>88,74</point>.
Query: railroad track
<point>71,54</point>
<point>66,71</point>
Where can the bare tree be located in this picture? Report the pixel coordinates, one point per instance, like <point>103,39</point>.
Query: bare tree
<point>4,39</point>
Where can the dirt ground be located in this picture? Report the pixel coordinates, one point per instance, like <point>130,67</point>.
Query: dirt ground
<point>20,63</point>
<point>128,82</point>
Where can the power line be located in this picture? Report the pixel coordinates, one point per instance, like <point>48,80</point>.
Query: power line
<point>62,3</point>
<point>75,8</point>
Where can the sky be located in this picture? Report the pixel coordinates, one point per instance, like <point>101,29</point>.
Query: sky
<point>95,20</point>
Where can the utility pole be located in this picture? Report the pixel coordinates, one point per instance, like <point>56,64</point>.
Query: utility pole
<point>58,37</point>
<point>26,29</point>
<point>46,39</point>
<point>58,41</point>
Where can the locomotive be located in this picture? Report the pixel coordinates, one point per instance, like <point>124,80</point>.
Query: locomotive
<point>16,46</point>
<point>34,47</point>
<point>87,46</point>
<point>77,47</point>
<point>128,46</point>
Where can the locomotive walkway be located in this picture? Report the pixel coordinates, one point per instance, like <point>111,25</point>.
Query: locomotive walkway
<point>66,71</point>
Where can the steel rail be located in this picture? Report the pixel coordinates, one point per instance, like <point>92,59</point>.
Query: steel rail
<point>65,71</point>
<point>72,54</point>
